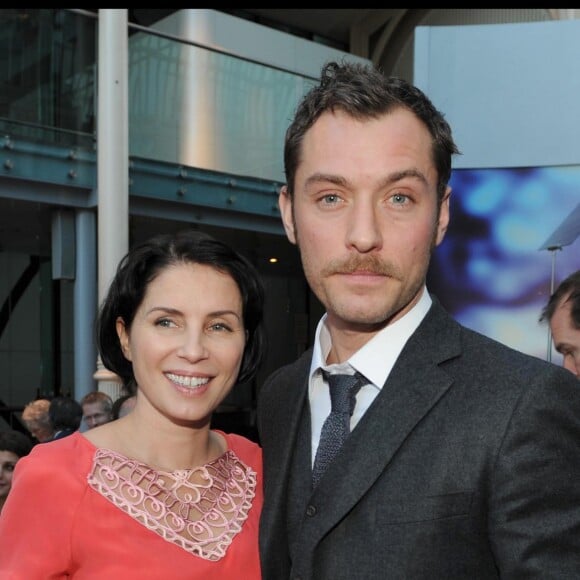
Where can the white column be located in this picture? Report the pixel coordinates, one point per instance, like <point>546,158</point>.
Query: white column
<point>112,159</point>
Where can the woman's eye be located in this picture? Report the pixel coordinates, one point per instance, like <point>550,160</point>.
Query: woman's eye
<point>220,327</point>
<point>164,322</point>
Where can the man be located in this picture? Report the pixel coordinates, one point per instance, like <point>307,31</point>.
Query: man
<point>123,406</point>
<point>464,456</point>
<point>36,420</point>
<point>65,416</point>
<point>563,315</point>
<point>97,409</point>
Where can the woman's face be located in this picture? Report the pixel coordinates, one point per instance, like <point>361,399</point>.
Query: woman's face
<point>186,342</point>
<point>8,460</point>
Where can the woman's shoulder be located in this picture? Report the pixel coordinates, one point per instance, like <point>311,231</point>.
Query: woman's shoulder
<point>70,450</point>
<point>75,442</point>
<point>57,467</point>
<point>247,450</point>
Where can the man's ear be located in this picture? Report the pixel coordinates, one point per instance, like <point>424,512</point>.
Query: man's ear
<point>443,221</point>
<point>123,337</point>
<point>286,211</point>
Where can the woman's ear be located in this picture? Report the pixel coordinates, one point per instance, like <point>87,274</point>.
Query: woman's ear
<point>123,337</point>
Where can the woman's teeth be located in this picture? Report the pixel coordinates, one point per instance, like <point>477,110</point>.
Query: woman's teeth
<point>187,381</point>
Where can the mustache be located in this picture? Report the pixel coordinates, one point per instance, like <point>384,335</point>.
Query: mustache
<point>371,264</point>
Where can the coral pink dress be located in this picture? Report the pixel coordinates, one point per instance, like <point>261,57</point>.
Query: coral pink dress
<point>76,511</point>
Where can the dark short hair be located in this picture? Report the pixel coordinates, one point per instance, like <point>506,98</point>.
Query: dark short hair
<point>144,262</point>
<point>116,410</point>
<point>65,413</point>
<point>567,291</point>
<point>15,442</point>
<point>364,92</point>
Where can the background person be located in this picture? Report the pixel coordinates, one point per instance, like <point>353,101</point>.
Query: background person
<point>563,315</point>
<point>123,405</point>
<point>97,409</point>
<point>13,446</point>
<point>36,420</point>
<point>65,416</point>
<point>182,321</point>
<point>463,459</point>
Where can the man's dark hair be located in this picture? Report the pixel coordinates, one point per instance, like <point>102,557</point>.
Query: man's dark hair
<point>364,92</point>
<point>567,291</point>
<point>116,410</point>
<point>65,413</point>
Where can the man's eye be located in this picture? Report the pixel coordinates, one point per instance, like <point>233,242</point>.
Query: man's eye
<point>399,198</point>
<point>330,199</point>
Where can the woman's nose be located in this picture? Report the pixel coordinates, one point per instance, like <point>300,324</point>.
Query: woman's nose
<point>193,346</point>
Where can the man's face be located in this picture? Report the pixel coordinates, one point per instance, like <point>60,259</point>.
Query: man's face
<point>94,415</point>
<point>566,337</point>
<point>365,216</point>
<point>40,432</point>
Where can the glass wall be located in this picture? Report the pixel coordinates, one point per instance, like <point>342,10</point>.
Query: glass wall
<point>188,107</point>
<point>47,75</point>
<point>203,109</point>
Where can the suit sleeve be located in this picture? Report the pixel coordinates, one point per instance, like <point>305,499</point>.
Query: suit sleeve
<point>534,521</point>
<point>36,522</point>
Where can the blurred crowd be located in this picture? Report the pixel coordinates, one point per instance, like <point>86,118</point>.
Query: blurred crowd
<point>50,419</point>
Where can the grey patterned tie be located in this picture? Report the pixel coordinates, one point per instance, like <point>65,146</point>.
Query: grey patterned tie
<point>336,428</point>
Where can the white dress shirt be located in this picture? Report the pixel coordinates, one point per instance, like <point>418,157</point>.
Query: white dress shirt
<point>374,360</point>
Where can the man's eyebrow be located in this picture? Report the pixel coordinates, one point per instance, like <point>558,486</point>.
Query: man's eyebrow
<point>326,177</point>
<point>394,177</point>
<point>404,174</point>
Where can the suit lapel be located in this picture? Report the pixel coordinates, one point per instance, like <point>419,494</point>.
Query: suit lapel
<point>283,406</point>
<point>414,386</point>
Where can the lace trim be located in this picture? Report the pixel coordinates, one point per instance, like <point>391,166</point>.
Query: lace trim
<point>200,510</point>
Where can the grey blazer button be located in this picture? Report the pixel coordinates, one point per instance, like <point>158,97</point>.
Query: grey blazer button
<point>311,511</point>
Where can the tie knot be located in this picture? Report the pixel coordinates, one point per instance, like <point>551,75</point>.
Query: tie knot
<point>343,389</point>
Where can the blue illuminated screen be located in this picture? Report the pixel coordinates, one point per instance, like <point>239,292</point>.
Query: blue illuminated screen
<point>489,272</point>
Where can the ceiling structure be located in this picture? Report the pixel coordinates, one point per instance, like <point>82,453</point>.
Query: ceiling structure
<point>340,28</point>
<point>383,35</point>
<point>327,26</point>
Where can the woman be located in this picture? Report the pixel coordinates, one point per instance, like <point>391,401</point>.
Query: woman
<point>13,446</point>
<point>157,493</point>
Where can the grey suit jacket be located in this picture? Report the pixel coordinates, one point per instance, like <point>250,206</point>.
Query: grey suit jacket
<point>466,465</point>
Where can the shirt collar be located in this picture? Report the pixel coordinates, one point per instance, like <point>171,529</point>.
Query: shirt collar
<point>378,356</point>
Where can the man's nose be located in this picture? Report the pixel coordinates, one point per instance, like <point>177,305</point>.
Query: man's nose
<point>364,232</point>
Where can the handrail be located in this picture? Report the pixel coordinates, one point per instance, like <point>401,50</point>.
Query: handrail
<point>182,40</point>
